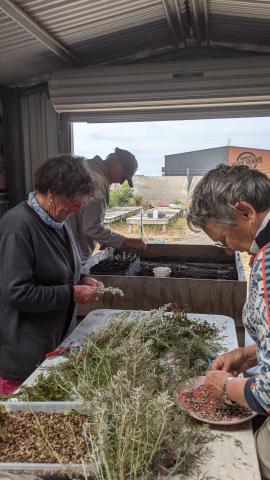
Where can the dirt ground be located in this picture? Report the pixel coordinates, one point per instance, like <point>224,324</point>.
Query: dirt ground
<point>178,232</point>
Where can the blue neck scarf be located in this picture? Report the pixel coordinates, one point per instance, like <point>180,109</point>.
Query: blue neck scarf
<point>42,214</point>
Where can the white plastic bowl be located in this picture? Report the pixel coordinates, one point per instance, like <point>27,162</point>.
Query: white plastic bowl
<point>161,271</point>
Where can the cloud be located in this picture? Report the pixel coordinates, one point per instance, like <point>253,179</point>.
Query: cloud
<point>150,141</point>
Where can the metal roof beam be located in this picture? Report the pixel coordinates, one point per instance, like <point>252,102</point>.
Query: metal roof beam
<point>199,19</point>
<point>242,47</point>
<point>206,19</point>
<point>32,27</point>
<point>175,22</point>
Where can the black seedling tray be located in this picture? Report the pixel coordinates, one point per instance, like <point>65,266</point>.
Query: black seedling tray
<point>110,266</point>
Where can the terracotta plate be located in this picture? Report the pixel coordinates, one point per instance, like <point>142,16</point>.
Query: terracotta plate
<point>197,382</point>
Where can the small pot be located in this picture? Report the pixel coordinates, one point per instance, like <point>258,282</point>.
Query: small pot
<point>161,272</point>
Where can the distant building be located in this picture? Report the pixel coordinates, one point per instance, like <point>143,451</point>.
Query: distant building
<point>198,162</point>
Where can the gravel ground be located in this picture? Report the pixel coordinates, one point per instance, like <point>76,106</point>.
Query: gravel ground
<point>178,232</point>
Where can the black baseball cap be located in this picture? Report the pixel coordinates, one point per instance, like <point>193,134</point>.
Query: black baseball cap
<point>129,163</point>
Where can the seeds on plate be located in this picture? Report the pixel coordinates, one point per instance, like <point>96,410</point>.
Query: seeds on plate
<point>206,406</point>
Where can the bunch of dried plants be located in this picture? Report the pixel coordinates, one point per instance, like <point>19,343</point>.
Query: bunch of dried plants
<point>130,374</point>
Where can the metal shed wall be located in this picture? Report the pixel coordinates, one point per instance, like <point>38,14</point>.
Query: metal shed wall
<point>33,132</point>
<point>39,131</point>
<point>195,163</point>
<point>45,133</point>
<point>3,184</point>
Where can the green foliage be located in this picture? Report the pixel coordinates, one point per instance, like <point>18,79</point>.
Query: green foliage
<point>124,196</point>
<point>135,344</point>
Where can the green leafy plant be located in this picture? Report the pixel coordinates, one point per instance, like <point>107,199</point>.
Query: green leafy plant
<point>124,196</point>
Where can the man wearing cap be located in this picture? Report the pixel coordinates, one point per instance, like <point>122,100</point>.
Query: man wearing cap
<point>88,226</point>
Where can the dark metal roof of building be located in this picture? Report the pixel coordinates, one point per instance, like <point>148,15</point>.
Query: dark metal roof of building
<point>196,162</point>
<point>38,37</point>
<point>199,162</point>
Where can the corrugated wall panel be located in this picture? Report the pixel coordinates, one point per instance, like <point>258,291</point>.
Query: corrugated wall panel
<point>3,171</point>
<point>195,163</point>
<point>40,132</point>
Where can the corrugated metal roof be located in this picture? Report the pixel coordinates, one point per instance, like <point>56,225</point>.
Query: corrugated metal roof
<point>237,22</point>
<point>133,40</point>
<point>99,31</point>
<point>94,31</point>
<point>70,21</point>
<point>21,55</point>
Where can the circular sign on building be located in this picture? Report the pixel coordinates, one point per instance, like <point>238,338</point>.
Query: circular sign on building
<point>249,159</point>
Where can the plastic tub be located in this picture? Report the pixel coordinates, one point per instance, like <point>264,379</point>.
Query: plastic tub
<point>48,470</point>
<point>161,272</point>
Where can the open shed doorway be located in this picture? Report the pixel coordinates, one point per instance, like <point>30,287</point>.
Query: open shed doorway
<point>190,147</point>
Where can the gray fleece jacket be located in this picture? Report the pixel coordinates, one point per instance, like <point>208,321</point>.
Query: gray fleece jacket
<point>36,278</point>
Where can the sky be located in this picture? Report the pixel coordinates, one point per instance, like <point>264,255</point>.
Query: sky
<point>150,141</point>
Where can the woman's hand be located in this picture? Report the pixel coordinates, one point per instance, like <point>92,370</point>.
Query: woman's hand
<point>85,293</point>
<point>91,282</point>
<point>237,361</point>
<point>214,381</point>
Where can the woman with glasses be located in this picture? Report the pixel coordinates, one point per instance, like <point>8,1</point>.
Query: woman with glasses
<point>232,206</point>
<point>40,283</point>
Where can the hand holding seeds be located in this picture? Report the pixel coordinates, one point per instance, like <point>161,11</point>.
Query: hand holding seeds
<point>214,381</point>
<point>236,361</point>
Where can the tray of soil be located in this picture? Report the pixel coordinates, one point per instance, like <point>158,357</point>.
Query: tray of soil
<point>201,405</point>
<point>190,270</point>
<point>118,264</point>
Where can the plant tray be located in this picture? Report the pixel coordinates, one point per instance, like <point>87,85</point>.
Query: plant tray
<point>109,267</point>
<point>49,471</point>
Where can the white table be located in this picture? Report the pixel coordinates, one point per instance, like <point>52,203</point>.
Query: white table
<point>233,456</point>
<point>116,214</point>
<point>170,215</point>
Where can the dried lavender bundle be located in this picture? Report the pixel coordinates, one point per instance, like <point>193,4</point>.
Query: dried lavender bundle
<point>113,290</point>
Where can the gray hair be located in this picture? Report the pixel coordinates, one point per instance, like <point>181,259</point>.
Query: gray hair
<point>215,196</point>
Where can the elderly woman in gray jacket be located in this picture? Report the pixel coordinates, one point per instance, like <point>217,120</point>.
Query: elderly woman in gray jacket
<point>40,269</point>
